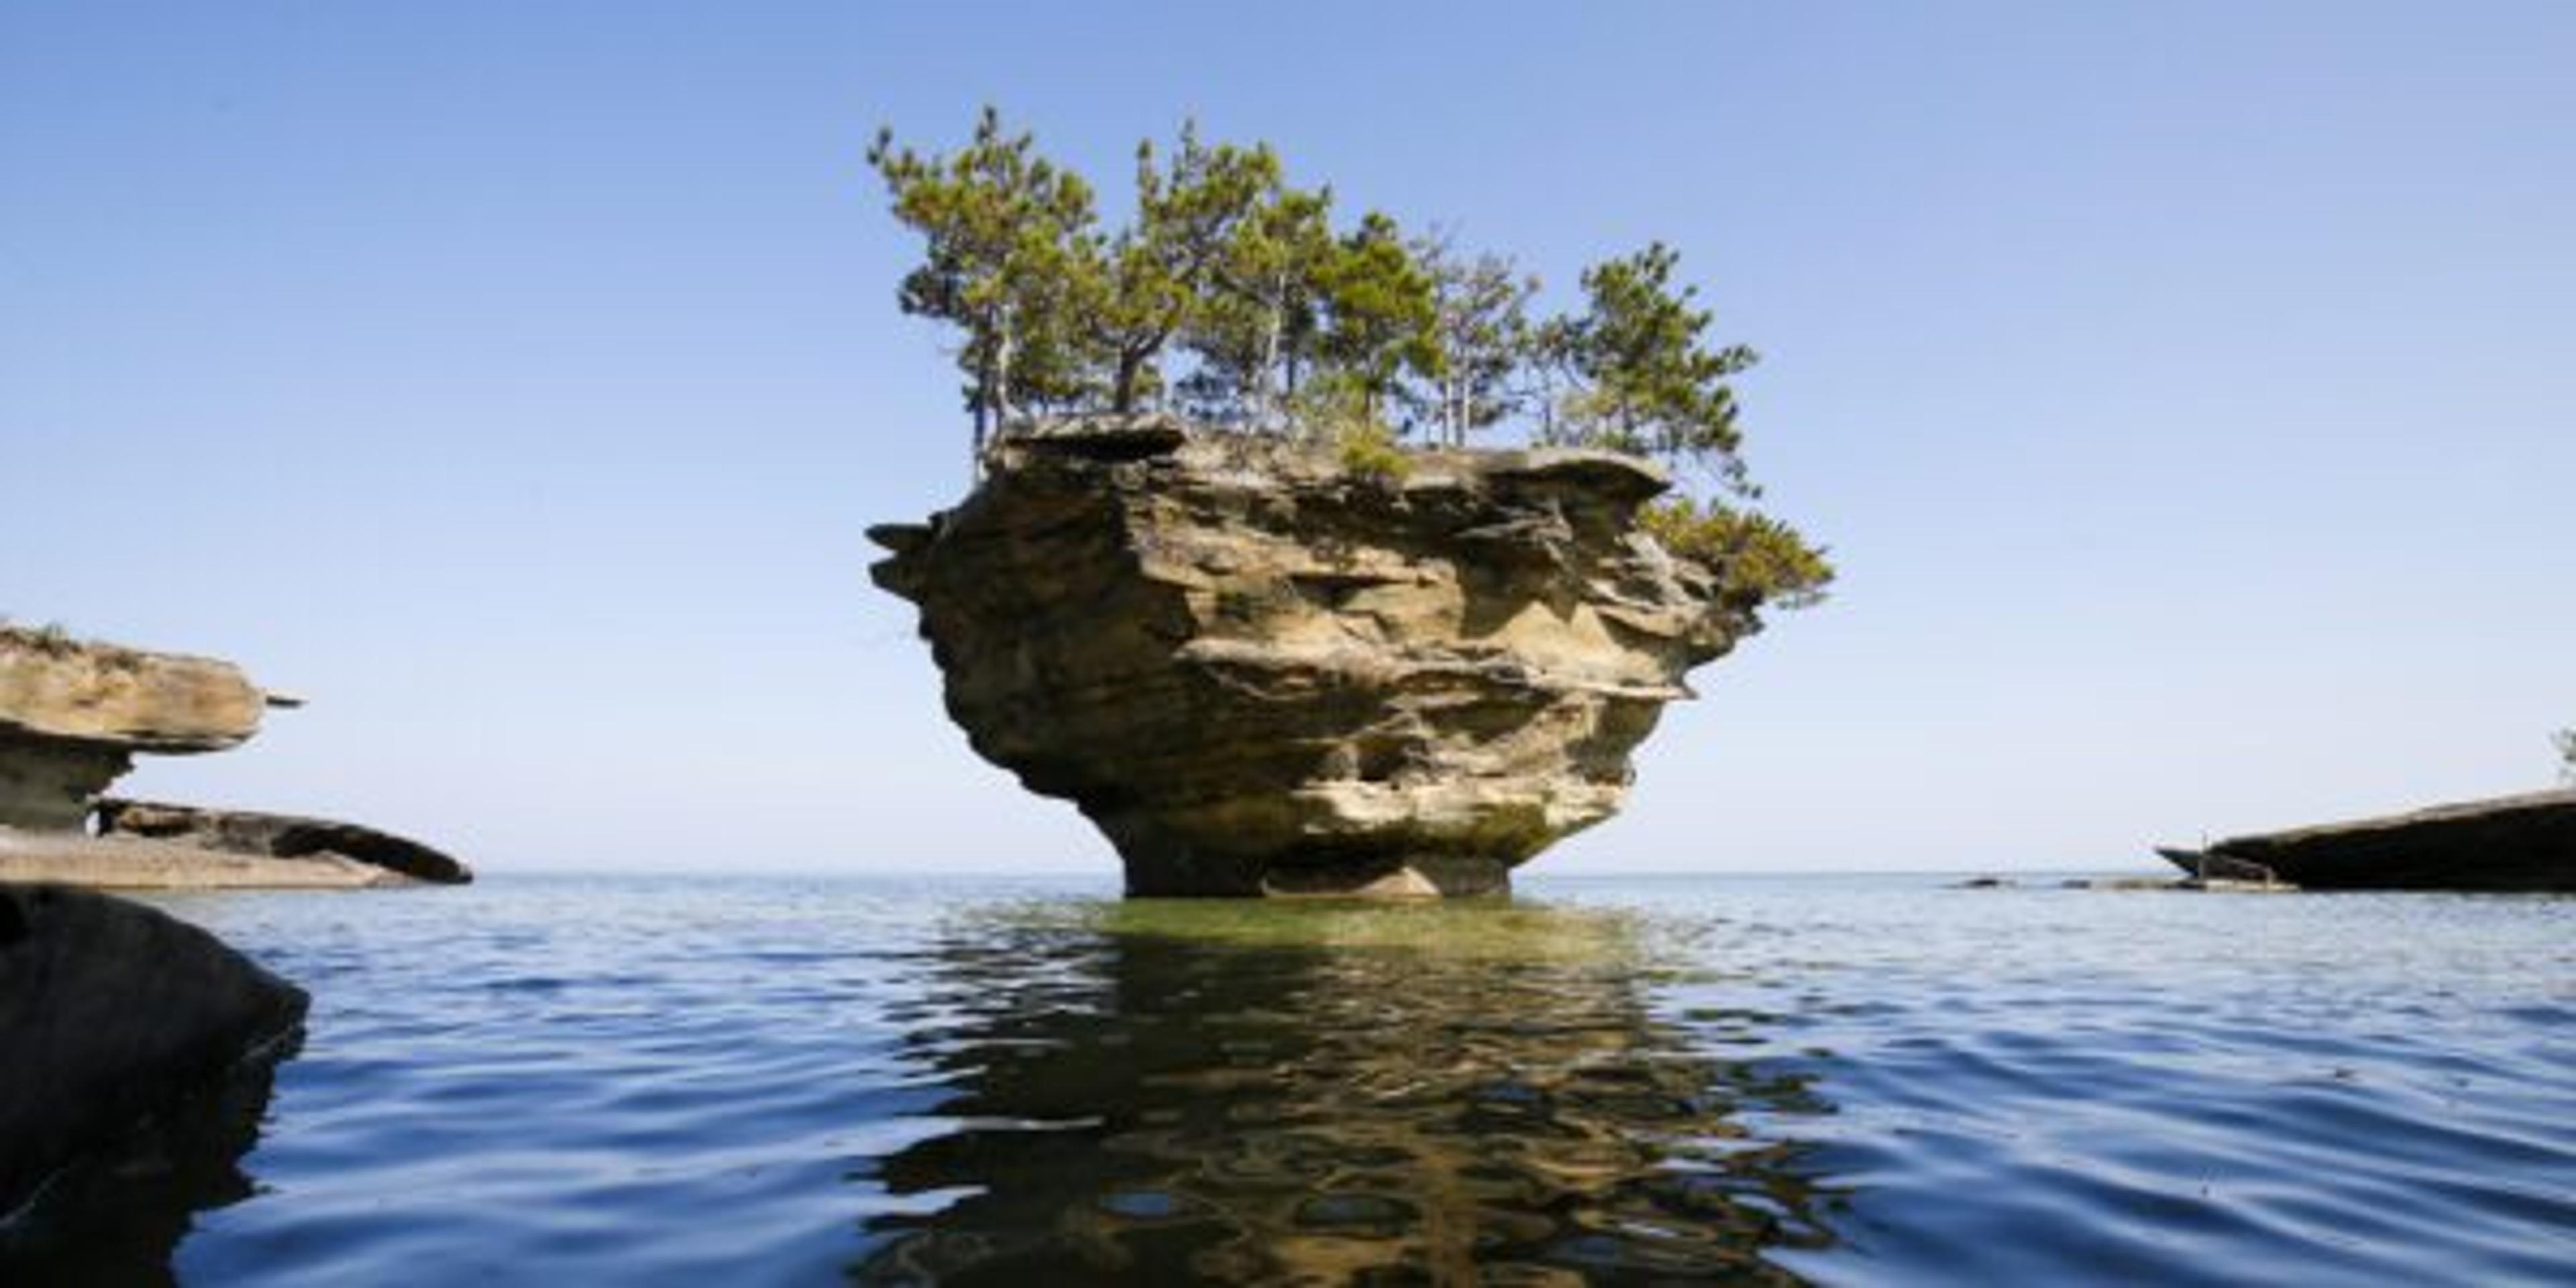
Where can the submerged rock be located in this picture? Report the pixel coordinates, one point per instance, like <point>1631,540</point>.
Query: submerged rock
<point>112,1013</point>
<point>2510,843</point>
<point>1259,672</point>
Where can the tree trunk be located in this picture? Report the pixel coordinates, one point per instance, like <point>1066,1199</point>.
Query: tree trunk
<point>1122,396</point>
<point>983,415</point>
<point>1002,380</point>
<point>1261,401</point>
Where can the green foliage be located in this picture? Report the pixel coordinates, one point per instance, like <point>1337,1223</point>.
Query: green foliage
<point>1153,279</point>
<point>1231,289</point>
<point>1759,561</point>
<point>1644,379</point>
<point>1378,311</point>
<point>1481,329</point>
<point>2566,742</point>
<point>1333,410</point>
<point>1257,331</point>
<point>1370,450</point>
<point>1006,232</point>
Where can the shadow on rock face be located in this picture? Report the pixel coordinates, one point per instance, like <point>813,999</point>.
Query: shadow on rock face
<point>1179,1092</point>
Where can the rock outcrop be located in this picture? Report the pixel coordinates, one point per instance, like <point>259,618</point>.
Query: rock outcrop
<point>73,715</point>
<point>1260,671</point>
<point>280,836</point>
<point>140,864</point>
<point>112,1013</point>
<point>2510,843</point>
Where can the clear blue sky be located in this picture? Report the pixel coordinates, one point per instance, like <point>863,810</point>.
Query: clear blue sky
<point>2186,390</point>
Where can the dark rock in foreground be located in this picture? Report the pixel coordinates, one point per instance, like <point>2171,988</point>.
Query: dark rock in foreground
<point>111,1014</point>
<point>2511,843</point>
<point>1261,672</point>
<point>279,836</point>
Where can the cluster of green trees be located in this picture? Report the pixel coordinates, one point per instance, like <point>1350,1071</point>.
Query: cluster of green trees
<point>1232,296</point>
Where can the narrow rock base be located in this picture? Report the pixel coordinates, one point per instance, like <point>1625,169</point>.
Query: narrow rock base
<point>48,783</point>
<point>1424,878</point>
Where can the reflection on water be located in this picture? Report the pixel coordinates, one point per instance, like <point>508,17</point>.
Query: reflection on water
<point>115,1217</point>
<point>1157,1092</point>
<point>756,1081</point>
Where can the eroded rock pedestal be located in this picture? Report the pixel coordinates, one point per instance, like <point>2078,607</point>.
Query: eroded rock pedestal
<point>1261,672</point>
<point>74,714</point>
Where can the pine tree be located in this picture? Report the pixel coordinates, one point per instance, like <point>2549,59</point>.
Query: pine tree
<point>1643,380</point>
<point>1154,278</point>
<point>1006,228</point>
<point>1257,331</point>
<point>1379,314</point>
<point>1481,327</point>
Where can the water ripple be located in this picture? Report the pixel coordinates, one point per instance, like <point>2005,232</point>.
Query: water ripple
<point>1848,1082</point>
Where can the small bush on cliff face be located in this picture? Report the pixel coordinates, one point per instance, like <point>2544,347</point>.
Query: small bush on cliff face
<point>1335,412</point>
<point>1759,561</point>
<point>1371,452</point>
<point>51,639</point>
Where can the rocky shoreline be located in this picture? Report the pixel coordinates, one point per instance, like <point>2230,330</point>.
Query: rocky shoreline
<point>2523,843</point>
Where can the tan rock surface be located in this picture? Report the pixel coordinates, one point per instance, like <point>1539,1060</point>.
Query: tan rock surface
<point>53,687</point>
<point>1258,672</point>
<point>73,714</point>
<point>133,863</point>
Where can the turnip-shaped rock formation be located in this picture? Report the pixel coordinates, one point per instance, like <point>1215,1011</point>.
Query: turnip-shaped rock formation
<point>1263,671</point>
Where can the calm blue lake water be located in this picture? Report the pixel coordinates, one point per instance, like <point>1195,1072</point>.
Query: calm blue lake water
<point>1841,1081</point>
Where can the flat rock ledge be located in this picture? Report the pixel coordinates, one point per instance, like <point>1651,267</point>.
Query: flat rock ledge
<point>2521,843</point>
<point>1262,673</point>
<point>283,838</point>
<point>112,1014</point>
<point>137,864</point>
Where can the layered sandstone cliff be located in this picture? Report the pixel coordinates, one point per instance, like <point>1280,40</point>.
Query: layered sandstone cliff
<point>1261,671</point>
